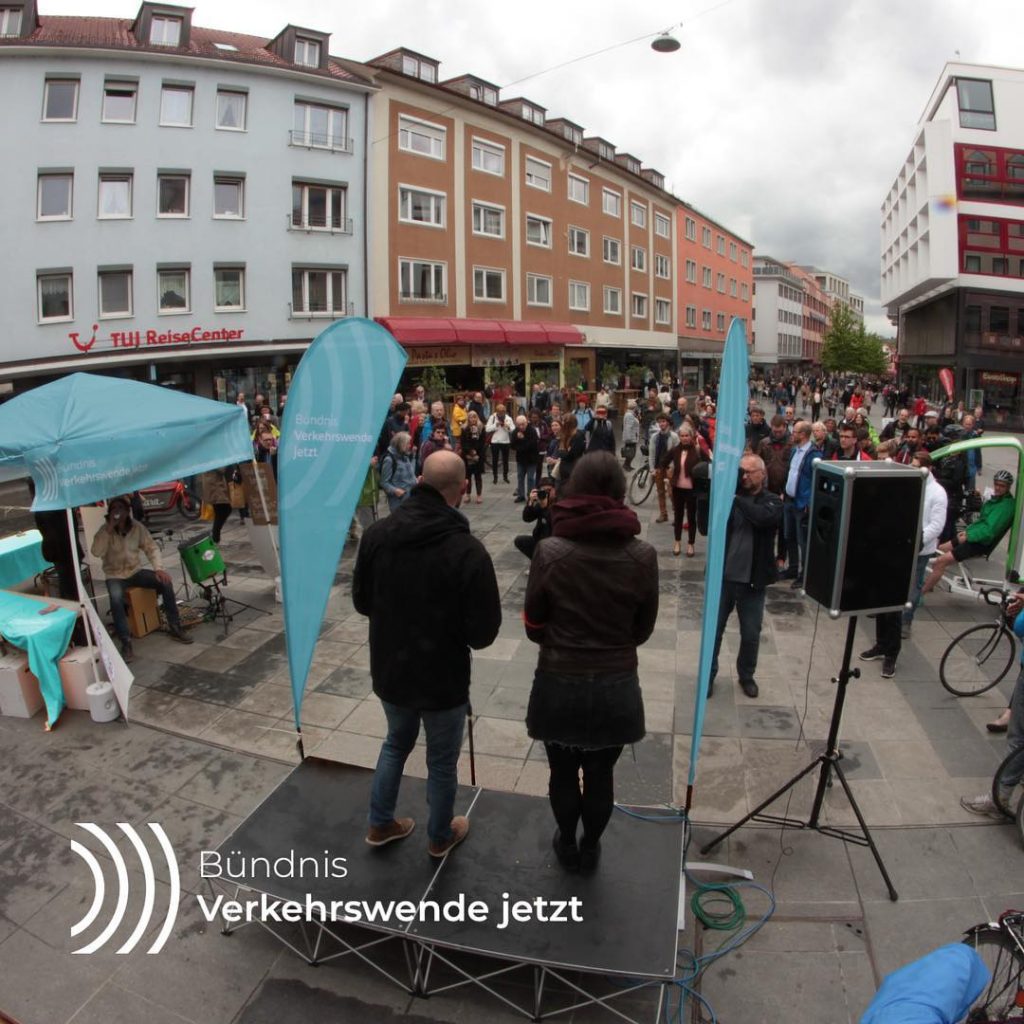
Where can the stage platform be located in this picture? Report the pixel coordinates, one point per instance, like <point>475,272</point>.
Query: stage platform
<point>629,905</point>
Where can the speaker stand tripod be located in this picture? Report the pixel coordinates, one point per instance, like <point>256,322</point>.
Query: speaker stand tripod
<point>217,601</point>
<point>828,762</point>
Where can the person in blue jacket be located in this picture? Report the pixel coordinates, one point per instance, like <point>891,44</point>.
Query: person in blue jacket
<point>797,502</point>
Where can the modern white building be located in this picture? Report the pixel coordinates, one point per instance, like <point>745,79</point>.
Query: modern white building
<point>952,240</point>
<point>778,316</point>
<point>182,205</point>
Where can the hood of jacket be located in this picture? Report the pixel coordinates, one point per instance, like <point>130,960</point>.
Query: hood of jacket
<point>424,518</point>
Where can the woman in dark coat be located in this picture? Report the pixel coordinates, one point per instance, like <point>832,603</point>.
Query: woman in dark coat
<point>591,600</point>
<point>473,449</point>
<point>572,444</point>
<point>680,463</point>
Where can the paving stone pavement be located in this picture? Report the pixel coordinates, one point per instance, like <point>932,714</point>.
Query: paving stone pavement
<point>213,733</point>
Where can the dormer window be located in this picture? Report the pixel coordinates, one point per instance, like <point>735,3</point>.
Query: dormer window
<point>574,135</point>
<point>416,68</point>
<point>164,30</point>
<point>10,22</point>
<point>484,94</point>
<point>534,114</point>
<point>307,52</point>
<point>605,151</point>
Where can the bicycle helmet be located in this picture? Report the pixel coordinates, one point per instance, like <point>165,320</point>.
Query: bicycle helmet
<point>1003,476</point>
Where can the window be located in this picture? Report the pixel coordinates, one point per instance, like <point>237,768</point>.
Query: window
<point>10,22</point>
<point>744,258</point>
<point>999,319</point>
<point>579,189</point>
<point>706,276</point>
<point>538,290</point>
<point>612,250</point>
<point>691,271</point>
<point>418,68</point>
<point>691,316</point>
<point>319,207</point>
<point>173,290</point>
<point>976,107</point>
<point>662,266</point>
<point>662,311</point>
<point>307,52</point>
<point>613,301</point>
<point>228,289</point>
<point>638,259</point>
<point>115,293</point>
<point>611,202</point>
<point>972,264</point>
<point>720,321</point>
<point>705,237</point>
<point>119,102</point>
<point>538,231</point>
<point>732,251</point>
<point>420,281</point>
<point>639,305</point>
<point>705,320</point>
<point>54,292</point>
<point>488,285</point>
<point>228,197</point>
<point>176,106</point>
<point>720,282</point>
<point>732,287</point>
<point>638,214</point>
<point>744,293</point>
<point>992,174</point>
<point>60,99</point>
<point>579,242</point>
<point>484,94</point>
<point>164,30</point>
<point>115,199</point>
<point>488,157</point>
<point>416,206</point>
<point>720,245</point>
<point>319,292</point>
<point>320,127</point>
<point>172,195</point>
<point>53,196</point>
<point>691,231</point>
<point>662,226</point>
<point>488,220</point>
<point>421,138</point>
<point>579,296</point>
<point>538,174</point>
<point>534,114</point>
<point>231,110</point>
<point>992,246</point>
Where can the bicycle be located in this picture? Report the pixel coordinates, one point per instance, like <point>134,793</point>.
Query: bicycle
<point>979,658</point>
<point>641,483</point>
<point>1000,945</point>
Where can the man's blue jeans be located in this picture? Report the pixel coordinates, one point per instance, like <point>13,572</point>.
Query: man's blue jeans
<point>749,604</point>
<point>526,477</point>
<point>915,590</point>
<point>795,524</point>
<point>1015,733</point>
<point>142,578</point>
<point>444,741</point>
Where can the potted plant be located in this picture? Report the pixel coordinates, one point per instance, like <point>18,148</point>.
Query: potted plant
<point>435,382</point>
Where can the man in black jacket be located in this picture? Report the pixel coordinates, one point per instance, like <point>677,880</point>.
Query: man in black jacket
<point>419,657</point>
<point>749,568</point>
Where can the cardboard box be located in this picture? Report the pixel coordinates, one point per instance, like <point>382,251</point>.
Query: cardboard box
<point>19,688</point>
<point>143,617</point>
<point>76,674</point>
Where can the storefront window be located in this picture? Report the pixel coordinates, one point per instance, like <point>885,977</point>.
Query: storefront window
<point>270,381</point>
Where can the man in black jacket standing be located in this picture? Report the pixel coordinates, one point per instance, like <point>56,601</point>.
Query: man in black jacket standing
<point>749,568</point>
<point>419,657</point>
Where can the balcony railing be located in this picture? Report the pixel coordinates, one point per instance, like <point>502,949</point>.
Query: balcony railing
<point>320,140</point>
<point>341,226</point>
<point>435,299</point>
<point>320,314</point>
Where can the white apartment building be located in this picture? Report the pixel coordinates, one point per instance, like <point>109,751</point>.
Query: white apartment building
<point>777,316</point>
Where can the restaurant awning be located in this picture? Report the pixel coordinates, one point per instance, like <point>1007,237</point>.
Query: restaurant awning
<point>417,330</point>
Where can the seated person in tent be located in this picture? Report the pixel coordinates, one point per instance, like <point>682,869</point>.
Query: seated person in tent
<point>120,543</point>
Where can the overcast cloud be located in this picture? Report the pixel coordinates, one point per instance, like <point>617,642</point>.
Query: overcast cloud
<point>785,120</point>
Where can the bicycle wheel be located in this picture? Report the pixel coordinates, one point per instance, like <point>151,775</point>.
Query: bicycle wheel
<point>640,485</point>
<point>977,659</point>
<point>188,505</point>
<point>1000,1000</point>
<point>1005,796</point>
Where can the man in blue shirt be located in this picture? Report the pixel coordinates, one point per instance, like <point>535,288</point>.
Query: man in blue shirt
<point>798,498</point>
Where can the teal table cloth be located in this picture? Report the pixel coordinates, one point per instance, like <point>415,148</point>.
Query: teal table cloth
<point>44,637</point>
<point>21,557</point>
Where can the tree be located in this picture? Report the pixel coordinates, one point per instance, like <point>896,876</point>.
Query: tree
<point>873,360</point>
<point>848,348</point>
<point>434,381</point>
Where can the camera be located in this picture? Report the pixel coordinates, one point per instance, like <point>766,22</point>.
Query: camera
<point>543,493</point>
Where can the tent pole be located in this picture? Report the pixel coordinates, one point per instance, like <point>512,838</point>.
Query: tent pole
<point>80,587</point>
<point>266,511</point>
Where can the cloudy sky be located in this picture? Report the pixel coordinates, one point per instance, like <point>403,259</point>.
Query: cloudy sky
<point>785,120</point>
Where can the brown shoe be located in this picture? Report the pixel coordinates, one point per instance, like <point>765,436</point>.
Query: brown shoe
<point>663,518</point>
<point>460,829</point>
<point>381,835</point>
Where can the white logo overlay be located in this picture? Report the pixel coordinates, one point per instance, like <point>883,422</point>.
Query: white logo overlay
<point>121,904</point>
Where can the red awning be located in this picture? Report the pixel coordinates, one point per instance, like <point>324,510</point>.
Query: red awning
<point>421,330</point>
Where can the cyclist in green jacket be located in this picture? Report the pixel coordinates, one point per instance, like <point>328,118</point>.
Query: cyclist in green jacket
<point>981,537</point>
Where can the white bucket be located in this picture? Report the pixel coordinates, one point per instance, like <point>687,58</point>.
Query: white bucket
<point>102,702</point>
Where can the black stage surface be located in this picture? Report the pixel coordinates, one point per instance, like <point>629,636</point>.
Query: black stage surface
<point>629,903</point>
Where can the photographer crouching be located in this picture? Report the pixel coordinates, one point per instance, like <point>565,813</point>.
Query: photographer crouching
<point>538,511</point>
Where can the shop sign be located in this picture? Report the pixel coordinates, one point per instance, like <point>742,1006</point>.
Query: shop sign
<point>436,355</point>
<point>998,380</point>
<point>124,341</point>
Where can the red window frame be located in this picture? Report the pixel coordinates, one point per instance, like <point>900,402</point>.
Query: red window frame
<point>1002,249</point>
<point>1006,188</point>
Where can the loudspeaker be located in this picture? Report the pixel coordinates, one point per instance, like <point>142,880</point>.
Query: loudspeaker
<point>863,536</point>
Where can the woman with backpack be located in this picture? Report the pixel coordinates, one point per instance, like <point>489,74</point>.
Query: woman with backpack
<point>397,470</point>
